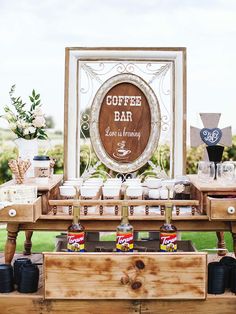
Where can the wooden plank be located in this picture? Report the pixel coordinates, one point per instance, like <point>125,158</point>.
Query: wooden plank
<point>218,305</point>
<point>123,202</point>
<point>52,182</point>
<point>125,276</point>
<point>88,307</point>
<point>36,305</point>
<point>139,225</point>
<point>16,294</point>
<point>142,217</point>
<point>18,305</point>
<point>213,186</point>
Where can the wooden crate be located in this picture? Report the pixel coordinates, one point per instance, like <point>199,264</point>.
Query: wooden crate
<point>16,302</point>
<point>125,276</point>
<point>21,212</point>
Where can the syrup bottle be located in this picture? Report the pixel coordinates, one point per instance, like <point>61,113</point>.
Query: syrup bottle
<point>168,232</point>
<point>75,233</point>
<point>124,233</point>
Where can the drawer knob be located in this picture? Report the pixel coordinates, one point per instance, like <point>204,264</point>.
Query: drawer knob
<point>231,210</point>
<point>12,212</point>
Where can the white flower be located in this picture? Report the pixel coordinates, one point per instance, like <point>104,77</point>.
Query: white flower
<point>22,124</point>
<point>39,122</point>
<point>31,129</point>
<point>26,131</point>
<point>38,112</point>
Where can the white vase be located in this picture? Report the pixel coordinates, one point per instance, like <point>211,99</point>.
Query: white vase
<point>27,149</point>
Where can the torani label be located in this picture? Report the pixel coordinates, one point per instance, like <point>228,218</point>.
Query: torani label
<point>75,242</point>
<point>168,242</point>
<point>124,242</point>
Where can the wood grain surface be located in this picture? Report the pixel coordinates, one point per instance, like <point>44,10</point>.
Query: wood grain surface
<point>17,303</point>
<point>214,186</point>
<point>125,276</point>
<point>219,208</point>
<point>24,212</point>
<point>52,182</point>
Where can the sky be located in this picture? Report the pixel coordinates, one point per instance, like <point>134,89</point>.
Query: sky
<point>34,34</point>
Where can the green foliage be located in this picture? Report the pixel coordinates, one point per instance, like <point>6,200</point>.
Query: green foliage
<point>27,124</point>
<point>84,157</point>
<point>230,152</point>
<point>42,241</point>
<point>5,156</point>
<point>194,155</point>
<point>57,153</point>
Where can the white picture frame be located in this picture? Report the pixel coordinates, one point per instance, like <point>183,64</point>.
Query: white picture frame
<point>74,56</point>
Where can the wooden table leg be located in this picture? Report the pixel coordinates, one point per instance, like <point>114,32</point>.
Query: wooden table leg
<point>10,247</point>
<point>28,242</point>
<point>221,243</point>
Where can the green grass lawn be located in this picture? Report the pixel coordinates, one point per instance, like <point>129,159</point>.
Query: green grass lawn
<point>42,241</point>
<point>45,241</point>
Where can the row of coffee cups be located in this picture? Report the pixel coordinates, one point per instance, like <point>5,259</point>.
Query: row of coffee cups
<point>152,188</point>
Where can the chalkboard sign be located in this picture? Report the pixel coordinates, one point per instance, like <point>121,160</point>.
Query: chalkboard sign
<point>125,123</point>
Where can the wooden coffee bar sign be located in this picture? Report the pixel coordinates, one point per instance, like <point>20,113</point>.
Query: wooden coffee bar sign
<point>124,122</point>
<point>125,126</point>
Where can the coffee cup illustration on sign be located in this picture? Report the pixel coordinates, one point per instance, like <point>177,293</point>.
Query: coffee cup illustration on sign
<point>121,152</point>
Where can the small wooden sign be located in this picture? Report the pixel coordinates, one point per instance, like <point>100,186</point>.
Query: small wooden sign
<point>125,123</point>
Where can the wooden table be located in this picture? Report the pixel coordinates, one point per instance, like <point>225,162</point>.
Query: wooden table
<point>202,220</point>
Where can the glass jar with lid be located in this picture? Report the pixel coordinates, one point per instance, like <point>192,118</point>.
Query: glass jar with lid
<point>41,166</point>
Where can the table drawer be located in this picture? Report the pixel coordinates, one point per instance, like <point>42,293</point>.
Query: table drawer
<point>221,208</point>
<point>21,212</point>
<point>125,275</point>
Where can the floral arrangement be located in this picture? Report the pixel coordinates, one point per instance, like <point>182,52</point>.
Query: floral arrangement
<point>27,124</point>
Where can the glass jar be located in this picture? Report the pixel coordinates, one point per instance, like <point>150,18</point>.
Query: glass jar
<point>41,166</point>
